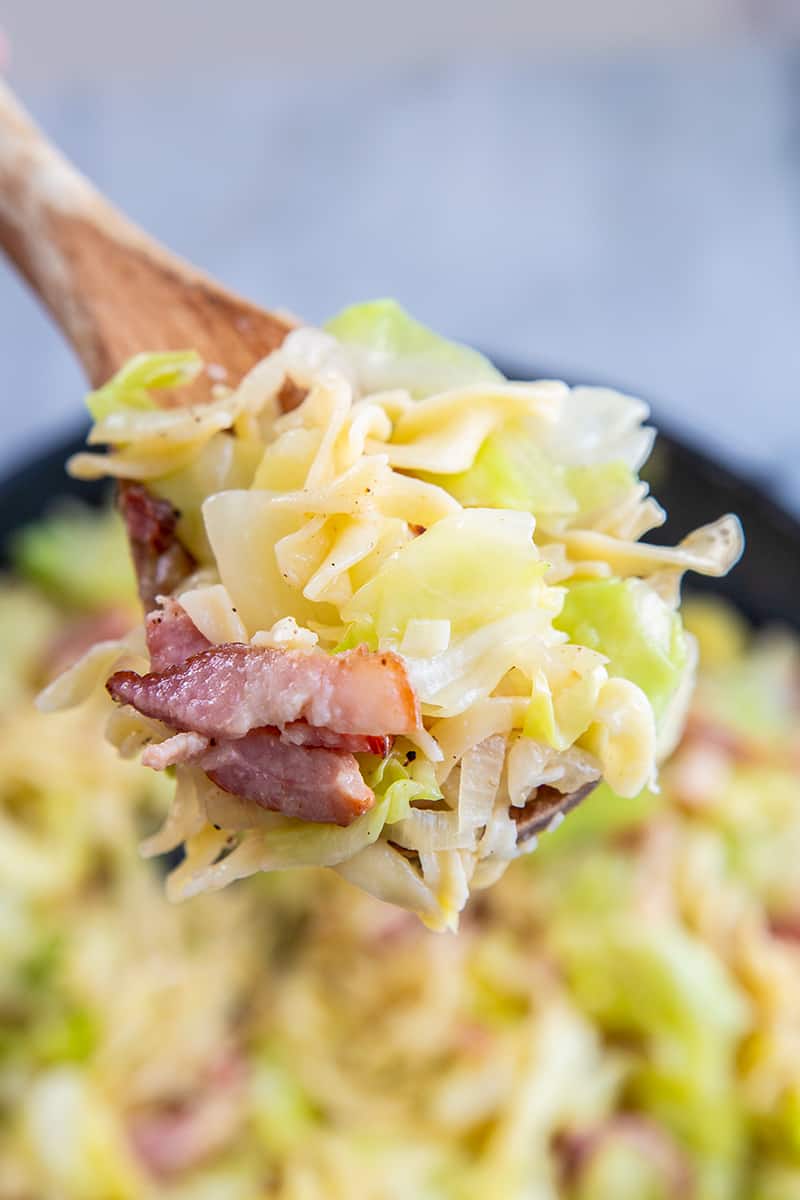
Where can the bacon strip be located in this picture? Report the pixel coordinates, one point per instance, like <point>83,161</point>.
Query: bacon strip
<point>188,747</point>
<point>180,748</point>
<point>172,636</point>
<point>169,1139</point>
<point>226,701</point>
<point>160,560</point>
<point>226,691</point>
<point>311,783</point>
<point>300,733</point>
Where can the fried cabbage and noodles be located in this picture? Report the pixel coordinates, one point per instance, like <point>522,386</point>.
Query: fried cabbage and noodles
<point>618,1018</point>
<point>399,615</point>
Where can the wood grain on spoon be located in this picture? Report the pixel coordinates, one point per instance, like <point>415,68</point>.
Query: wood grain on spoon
<point>112,289</point>
<point>546,807</point>
<point>114,292</point>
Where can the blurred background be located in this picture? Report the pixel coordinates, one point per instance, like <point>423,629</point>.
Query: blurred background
<point>606,191</point>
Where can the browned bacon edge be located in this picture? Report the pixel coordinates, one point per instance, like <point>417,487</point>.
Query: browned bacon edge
<point>228,690</point>
<point>302,770</point>
<point>172,636</point>
<point>311,782</point>
<point>160,561</point>
<point>188,746</point>
<point>308,782</point>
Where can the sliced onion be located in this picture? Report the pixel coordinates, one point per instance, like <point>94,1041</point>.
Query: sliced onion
<point>290,843</point>
<point>481,768</point>
<point>431,830</point>
<point>385,873</point>
<point>186,817</point>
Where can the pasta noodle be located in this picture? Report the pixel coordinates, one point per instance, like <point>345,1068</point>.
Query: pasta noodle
<point>414,501</point>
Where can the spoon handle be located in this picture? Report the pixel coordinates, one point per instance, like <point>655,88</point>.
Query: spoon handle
<point>60,234</point>
<point>111,289</point>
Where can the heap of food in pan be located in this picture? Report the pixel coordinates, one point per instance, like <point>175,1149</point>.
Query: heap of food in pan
<point>230,1047</point>
<point>398,616</point>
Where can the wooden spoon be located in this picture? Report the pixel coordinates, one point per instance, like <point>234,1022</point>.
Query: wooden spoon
<point>546,807</point>
<point>114,291</point>
<point>111,289</point>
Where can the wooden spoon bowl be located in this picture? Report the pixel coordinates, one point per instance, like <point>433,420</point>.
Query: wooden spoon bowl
<point>114,292</point>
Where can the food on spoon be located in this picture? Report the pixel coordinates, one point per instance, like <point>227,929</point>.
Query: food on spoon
<point>161,562</point>
<point>225,691</point>
<point>398,612</point>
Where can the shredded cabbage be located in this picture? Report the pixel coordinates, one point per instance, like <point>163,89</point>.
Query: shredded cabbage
<point>618,1017</point>
<point>130,388</point>
<point>403,496</point>
<point>394,350</point>
<point>514,470</point>
<point>634,629</point>
<point>450,573</point>
<point>284,843</point>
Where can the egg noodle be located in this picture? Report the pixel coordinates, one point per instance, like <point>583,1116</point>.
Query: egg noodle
<point>617,1019</point>
<point>416,501</point>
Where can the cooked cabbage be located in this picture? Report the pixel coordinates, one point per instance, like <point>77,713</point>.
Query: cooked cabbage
<point>130,388</point>
<point>618,1017</point>
<point>412,499</point>
<point>394,350</point>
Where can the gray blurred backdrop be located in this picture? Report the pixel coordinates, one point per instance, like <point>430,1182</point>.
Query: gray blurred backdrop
<point>605,191</point>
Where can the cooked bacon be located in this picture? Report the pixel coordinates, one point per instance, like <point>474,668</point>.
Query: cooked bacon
<point>228,690</point>
<point>160,560</point>
<point>785,926</point>
<point>730,742</point>
<point>172,1138</point>
<point>291,395</point>
<point>172,639</point>
<point>277,727</point>
<point>308,782</point>
<point>300,733</point>
<point>187,747</point>
<point>577,1150</point>
<point>172,636</point>
<point>180,748</point>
